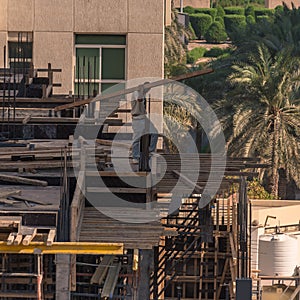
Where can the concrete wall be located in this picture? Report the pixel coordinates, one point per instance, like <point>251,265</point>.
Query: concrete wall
<point>286,212</point>
<point>55,47</point>
<point>20,15</point>
<point>274,3</point>
<point>101,16</point>
<point>55,22</point>
<point>3,29</point>
<point>55,17</point>
<point>193,3</point>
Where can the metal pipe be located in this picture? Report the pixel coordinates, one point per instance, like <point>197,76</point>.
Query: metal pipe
<point>14,101</point>
<point>95,68</point>
<point>4,88</point>
<point>88,77</point>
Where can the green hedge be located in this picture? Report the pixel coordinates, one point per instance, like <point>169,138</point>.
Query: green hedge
<point>278,10</point>
<point>250,19</point>
<point>220,20</point>
<point>195,54</point>
<point>189,10</point>
<point>200,23</point>
<point>250,11</point>
<point>215,33</point>
<point>234,11</point>
<point>193,34</point>
<point>220,11</point>
<point>234,22</point>
<point>216,52</point>
<point>209,11</point>
<point>262,19</point>
<point>263,12</point>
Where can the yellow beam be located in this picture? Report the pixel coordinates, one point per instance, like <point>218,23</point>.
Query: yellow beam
<point>64,248</point>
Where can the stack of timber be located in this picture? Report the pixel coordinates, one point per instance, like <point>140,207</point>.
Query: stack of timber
<point>98,227</point>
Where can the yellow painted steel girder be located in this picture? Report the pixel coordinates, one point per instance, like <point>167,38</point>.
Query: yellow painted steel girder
<point>64,248</point>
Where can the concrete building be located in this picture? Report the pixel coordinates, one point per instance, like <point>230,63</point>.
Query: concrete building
<point>193,3</point>
<point>120,40</point>
<point>274,3</point>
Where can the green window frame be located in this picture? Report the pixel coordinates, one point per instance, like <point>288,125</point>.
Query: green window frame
<point>100,63</point>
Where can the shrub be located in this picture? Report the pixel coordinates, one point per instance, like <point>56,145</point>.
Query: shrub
<point>193,34</point>
<point>209,11</point>
<point>216,33</point>
<point>250,19</point>
<point>263,12</point>
<point>220,20</point>
<point>234,23</point>
<point>216,52</point>
<point>189,10</point>
<point>262,19</point>
<point>250,11</point>
<point>195,54</point>
<point>278,10</point>
<point>200,23</point>
<point>234,11</point>
<point>175,70</point>
<point>220,11</point>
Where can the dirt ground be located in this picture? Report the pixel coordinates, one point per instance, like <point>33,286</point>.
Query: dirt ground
<point>202,43</point>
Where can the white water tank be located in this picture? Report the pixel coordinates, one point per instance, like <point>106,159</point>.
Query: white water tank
<point>277,254</point>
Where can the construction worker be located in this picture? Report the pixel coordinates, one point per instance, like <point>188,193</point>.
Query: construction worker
<point>140,122</point>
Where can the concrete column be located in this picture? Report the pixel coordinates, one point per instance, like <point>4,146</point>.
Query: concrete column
<point>145,263</point>
<point>62,277</point>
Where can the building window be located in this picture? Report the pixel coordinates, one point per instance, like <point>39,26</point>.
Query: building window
<point>20,46</point>
<point>100,63</point>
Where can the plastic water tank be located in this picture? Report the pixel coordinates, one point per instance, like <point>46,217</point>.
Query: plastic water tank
<point>277,254</point>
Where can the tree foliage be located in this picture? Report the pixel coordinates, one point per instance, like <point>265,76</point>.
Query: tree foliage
<point>175,48</point>
<point>261,113</point>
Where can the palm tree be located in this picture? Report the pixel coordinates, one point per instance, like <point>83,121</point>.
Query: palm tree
<point>261,114</point>
<point>175,48</point>
<point>279,32</point>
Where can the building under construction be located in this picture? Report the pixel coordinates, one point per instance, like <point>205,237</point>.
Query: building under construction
<point>57,244</point>
<point>62,234</point>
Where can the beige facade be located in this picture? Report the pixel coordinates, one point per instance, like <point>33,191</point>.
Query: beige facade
<point>55,23</point>
<point>193,3</point>
<point>286,211</point>
<point>274,3</point>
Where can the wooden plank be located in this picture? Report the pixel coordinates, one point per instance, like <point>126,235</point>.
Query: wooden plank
<point>26,119</point>
<point>24,295</point>
<point>56,120</point>
<point>22,180</point>
<point>111,280</point>
<point>18,239</point>
<point>188,182</point>
<point>114,143</point>
<point>51,237</point>
<point>4,194</point>
<point>77,207</point>
<point>36,165</point>
<point>18,198</point>
<point>50,100</point>
<point>116,190</point>
<point>114,174</point>
<point>102,269</point>
<point>29,237</point>
<point>232,246</point>
<point>8,202</point>
<point>8,221</point>
<point>11,238</point>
